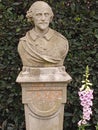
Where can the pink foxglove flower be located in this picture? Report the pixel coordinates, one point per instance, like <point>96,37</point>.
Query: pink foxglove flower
<point>85,95</point>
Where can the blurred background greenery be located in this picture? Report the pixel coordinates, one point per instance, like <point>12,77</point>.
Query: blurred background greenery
<point>77,20</point>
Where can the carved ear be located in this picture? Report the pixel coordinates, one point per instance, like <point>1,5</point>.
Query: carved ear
<point>51,18</point>
<point>32,19</point>
<point>29,16</point>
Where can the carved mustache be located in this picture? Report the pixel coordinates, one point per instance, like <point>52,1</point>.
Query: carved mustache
<point>43,22</point>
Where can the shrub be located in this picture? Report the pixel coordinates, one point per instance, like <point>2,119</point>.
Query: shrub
<point>75,19</point>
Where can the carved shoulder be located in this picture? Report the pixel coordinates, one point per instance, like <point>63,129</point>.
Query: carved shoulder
<point>21,43</point>
<point>23,39</point>
<point>61,36</point>
<point>63,43</point>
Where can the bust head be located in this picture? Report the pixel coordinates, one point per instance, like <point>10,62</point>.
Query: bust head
<point>41,14</point>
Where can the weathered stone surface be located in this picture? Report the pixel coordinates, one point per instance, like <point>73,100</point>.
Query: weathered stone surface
<point>47,74</point>
<point>42,46</point>
<point>44,100</point>
<point>44,105</point>
<point>43,78</point>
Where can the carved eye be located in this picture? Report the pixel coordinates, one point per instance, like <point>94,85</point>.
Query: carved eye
<point>46,14</point>
<point>38,14</point>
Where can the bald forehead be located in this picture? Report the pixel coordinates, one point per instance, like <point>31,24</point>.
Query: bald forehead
<point>40,6</point>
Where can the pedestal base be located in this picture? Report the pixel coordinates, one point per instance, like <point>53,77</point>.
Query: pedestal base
<point>44,105</point>
<point>34,122</point>
<point>44,93</point>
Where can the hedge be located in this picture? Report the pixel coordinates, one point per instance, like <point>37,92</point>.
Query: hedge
<point>77,20</point>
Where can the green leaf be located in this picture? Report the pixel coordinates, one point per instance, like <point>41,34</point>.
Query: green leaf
<point>96,35</point>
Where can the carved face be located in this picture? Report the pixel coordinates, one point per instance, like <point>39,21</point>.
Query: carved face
<point>42,18</point>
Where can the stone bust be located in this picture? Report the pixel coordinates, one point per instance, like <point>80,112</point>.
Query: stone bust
<point>42,46</point>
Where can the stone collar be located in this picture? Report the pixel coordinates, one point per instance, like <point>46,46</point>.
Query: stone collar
<point>35,35</point>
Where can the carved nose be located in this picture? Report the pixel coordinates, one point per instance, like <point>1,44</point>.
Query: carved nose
<point>43,17</point>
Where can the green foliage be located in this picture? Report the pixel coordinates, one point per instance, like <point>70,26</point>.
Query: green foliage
<point>75,19</point>
<point>96,126</point>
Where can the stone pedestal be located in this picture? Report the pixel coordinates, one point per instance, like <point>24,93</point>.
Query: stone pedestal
<point>44,93</point>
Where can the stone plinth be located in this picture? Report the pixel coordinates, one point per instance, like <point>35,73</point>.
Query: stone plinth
<point>44,93</point>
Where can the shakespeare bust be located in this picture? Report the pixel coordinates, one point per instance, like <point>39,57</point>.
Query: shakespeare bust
<point>42,46</point>
<point>43,77</point>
